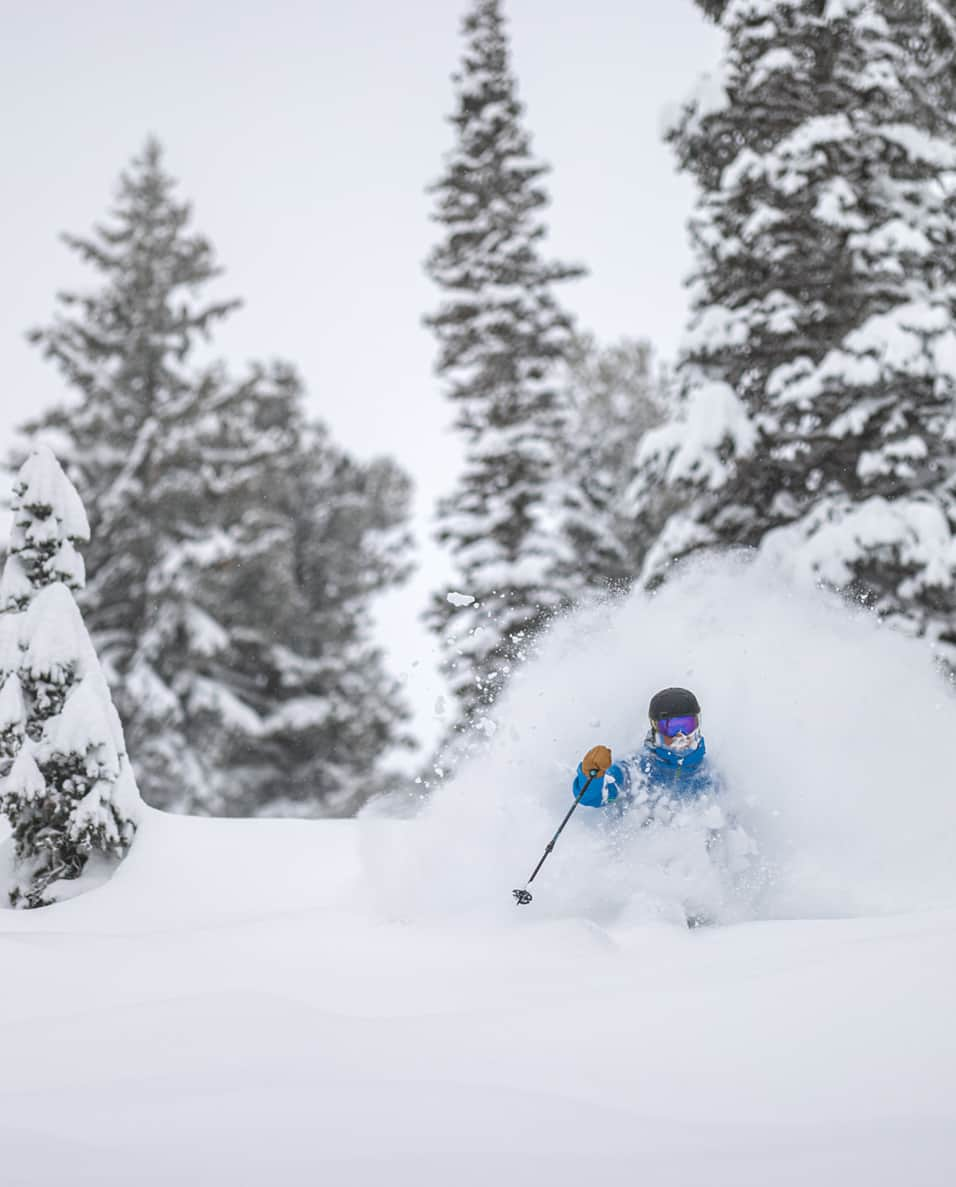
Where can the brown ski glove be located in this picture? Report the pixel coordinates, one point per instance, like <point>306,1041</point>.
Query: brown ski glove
<point>598,758</point>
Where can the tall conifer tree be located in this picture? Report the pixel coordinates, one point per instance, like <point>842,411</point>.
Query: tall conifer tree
<point>502,335</point>
<point>819,371</point>
<point>235,548</point>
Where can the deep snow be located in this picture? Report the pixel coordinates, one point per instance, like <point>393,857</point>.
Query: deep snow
<point>360,1002</point>
<point>231,1010</point>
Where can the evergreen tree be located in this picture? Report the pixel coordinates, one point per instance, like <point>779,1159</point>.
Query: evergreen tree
<point>68,789</point>
<point>235,548</point>
<point>818,374</point>
<point>615,398</point>
<point>502,337</point>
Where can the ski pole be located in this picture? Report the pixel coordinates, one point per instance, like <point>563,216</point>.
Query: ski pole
<point>523,897</point>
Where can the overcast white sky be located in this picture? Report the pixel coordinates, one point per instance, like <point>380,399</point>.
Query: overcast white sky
<point>304,133</point>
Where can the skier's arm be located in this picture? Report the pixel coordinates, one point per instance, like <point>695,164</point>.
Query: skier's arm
<point>606,785</point>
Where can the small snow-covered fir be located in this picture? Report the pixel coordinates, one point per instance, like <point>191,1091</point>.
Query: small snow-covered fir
<point>68,789</point>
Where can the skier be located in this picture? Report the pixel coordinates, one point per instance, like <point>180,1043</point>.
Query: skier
<point>669,777</point>
<point>670,773</point>
<point>672,764</point>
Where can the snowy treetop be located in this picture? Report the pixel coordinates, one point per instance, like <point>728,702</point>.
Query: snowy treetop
<point>44,490</point>
<point>48,520</point>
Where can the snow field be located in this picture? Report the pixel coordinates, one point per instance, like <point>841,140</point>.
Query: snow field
<point>279,1029</point>
<point>360,1001</point>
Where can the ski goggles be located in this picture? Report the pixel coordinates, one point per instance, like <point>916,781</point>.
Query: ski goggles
<point>670,727</point>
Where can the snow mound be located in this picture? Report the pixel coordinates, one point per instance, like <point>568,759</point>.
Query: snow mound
<point>189,872</point>
<point>829,729</point>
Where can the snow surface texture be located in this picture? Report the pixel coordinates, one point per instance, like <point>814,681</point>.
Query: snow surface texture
<point>360,1002</point>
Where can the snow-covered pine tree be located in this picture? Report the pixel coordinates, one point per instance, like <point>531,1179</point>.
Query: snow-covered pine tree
<point>236,663</point>
<point>338,709</point>
<point>68,789</point>
<point>251,681</point>
<point>502,336</point>
<point>819,371</point>
<point>615,396</point>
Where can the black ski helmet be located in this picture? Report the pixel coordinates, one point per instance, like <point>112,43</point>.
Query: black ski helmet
<point>672,702</point>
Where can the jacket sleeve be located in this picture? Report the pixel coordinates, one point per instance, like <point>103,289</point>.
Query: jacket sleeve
<point>604,789</point>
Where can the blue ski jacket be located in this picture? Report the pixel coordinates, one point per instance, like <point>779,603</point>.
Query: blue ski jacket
<point>658,770</point>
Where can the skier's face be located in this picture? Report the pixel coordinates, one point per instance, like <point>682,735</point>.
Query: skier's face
<point>679,733</point>
<point>680,741</point>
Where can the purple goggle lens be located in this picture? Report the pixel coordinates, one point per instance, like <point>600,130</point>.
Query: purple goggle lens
<point>670,727</point>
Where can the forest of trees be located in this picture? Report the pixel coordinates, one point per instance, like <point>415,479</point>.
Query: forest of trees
<point>235,551</point>
<point>235,547</point>
<point>534,525</point>
<point>810,414</point>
